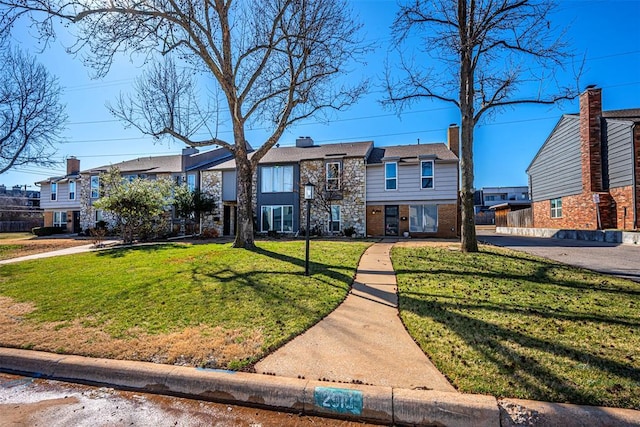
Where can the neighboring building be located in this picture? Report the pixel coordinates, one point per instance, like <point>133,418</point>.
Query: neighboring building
<point>491,196</point>
<point>68,200</point>
<point>19,209</point>
<point>60,198</point>
<point>414,189</point>
<point>586,175</point>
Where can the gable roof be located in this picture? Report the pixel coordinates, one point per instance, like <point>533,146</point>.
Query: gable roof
<point>315,152</point>
<point>167,164</point>
<point>439,151</point>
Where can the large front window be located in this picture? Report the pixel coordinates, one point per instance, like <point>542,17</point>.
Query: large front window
<point>95,187</point>
<point>277,218</point>
<point>423,218</point>
<point>333,175</point>
<point>334,221</point>
<point>54,191</point>
<point>60,219</point>
<point>277,179</point>
<point>556,208</point>
<point>390,176</point>
<point>426,174</point>
<point>72,190</point>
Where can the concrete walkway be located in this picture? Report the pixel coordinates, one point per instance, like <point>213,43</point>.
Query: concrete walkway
<point>67,251</point>
<point>363,341</point>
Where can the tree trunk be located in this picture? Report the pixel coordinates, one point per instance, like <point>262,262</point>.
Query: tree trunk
<point>469,240</point>
<point>244,227</point>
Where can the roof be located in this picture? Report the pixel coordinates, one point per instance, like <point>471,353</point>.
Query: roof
<point>168,164</point>
<point>513,203</point>
<point>297,154</point>
<point>439,151</point>
<point>631,114</point>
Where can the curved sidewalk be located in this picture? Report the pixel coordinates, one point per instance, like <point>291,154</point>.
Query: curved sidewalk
<point>363,341</point>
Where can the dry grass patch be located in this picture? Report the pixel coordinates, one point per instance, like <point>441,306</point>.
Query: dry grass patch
<point>19,247</point>
<point>194,346</point>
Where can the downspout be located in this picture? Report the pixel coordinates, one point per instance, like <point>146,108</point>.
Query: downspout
<point>634,180</point>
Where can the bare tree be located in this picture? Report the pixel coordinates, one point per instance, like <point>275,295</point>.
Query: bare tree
<point>487,53</point>
<point>31,115</point>
<point>275,61</point>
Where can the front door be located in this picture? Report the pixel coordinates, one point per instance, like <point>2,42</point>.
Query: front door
<point>391,220</point>
<point>76,222</point>
<point>229,218</point>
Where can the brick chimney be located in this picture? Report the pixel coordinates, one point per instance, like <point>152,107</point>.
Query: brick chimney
<point>73,165</point>
<point>453,139</point>
<point>591,139</point>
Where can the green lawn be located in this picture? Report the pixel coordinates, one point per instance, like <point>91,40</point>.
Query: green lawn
<point>511,325</point>
<point>160,289</point>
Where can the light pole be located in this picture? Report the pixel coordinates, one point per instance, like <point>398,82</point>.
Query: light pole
<point>308,196</point>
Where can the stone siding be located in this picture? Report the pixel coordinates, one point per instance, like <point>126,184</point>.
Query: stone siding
<point>211,184</point>
<point>352,201</point>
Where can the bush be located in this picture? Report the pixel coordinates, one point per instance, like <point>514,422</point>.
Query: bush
<point>349,231</point>
<point>47,231</point>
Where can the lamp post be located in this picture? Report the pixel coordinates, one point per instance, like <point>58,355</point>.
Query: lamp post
<point>308,196</point>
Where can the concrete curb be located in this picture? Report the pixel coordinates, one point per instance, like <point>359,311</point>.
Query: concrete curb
<point>383,405</point>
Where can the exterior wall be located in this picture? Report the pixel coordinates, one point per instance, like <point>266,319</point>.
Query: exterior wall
<point>352,204</point>
<point>48,218</point>
<point>211,183</point>
<point>623,207</point>
<point>591,139</point>
<point>556,169</point>
<point>62,201</point>
<point>578,212</point>
<point>445,178</point>
<point>447,221</point>
<point>619,149</point>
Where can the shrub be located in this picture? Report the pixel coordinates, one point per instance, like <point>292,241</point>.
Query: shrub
<point>349,231</point>
<point>47,231</point>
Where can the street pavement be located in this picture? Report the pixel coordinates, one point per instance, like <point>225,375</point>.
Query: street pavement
<point>608,258</point>
<point>27,402</point>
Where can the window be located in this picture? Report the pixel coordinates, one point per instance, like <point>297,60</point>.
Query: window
<point>423,218</point>
<point>277,179</point>
<point>426,174</point>
<point>129,178</point>
<point>54,191</point>
<point>191,182</point>
<point>277,218</point>
<point>60,219</point>
<point>333,175</point>
<point>556,208</point>
<point>335,219</point>
<point>99,216</point>
<point>95,187</point>
<point>390,176</point>
<point>72,190</point>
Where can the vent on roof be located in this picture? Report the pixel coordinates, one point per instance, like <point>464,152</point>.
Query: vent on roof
<point>336,155</point>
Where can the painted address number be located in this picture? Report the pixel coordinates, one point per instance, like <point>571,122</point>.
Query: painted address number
<point>340,400</point>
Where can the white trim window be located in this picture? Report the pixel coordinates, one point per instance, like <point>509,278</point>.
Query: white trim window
<point>334,223</point>
<point>556,208</point>
<point>333,175</point>
<point>276,218</point>
<point>54,191</point>
<point>391,176</point>
<point>60,219</point>
<point>72,190</point>
<point>95,186</point>
<point>426,174</point>
<point>423,218</point>
<point>99,216</point>
<point>276,179</point>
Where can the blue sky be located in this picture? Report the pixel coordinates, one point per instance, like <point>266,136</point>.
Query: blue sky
<point>603,31</point>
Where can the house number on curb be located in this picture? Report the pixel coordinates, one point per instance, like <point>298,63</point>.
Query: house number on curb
<point>340,400</point>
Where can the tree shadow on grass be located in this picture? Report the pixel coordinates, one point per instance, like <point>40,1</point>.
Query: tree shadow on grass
<point>524,356</point>
<point>120,252</point>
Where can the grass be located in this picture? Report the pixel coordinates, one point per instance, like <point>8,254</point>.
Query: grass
<point>512,325</point>
<point>240,296</point>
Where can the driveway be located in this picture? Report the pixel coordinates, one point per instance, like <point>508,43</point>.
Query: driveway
<point>609,258</point>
